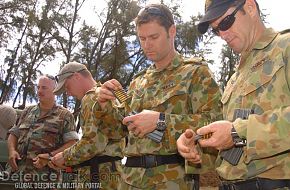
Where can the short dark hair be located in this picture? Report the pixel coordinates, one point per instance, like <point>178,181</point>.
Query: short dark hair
<point>157,12</point>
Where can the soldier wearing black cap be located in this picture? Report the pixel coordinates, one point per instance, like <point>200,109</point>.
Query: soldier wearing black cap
<point>256,101</point>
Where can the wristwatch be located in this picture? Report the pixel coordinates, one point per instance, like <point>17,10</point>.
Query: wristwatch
<point>238,142</point>
<point>161,125</point>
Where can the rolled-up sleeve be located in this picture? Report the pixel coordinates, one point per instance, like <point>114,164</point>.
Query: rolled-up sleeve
<point>14,131</point>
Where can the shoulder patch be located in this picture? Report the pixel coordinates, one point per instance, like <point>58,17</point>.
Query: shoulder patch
<point>140,73</point>
<point>285,31</point>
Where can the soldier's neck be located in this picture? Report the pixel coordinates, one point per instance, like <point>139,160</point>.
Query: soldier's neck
<point>166,61</point>
<point>45,107</point>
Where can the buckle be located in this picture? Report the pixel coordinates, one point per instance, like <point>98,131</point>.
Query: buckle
<point>149,161</point>
<point>227,186</point>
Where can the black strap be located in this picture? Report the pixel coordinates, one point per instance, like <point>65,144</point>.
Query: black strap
<point>99,160</point>
<point>94,167</point>
<point>150,161</point>
<point>196,179</point>
<point>256,184</point>
<point>94,173</point>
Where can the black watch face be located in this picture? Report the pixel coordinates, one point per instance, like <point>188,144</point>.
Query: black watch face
<point>161,126</point>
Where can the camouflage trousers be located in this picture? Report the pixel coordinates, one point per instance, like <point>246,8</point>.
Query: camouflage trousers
<point>178,184</point>
<point>109,177</point>
<point>29,177</point>
<point>167,176</point>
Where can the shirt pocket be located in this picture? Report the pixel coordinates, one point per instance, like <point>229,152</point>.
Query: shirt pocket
<point>173,99</point>
<point>50,136</point>
<point>136,100</point>
<point>261,76</point>
<point>23,131</point>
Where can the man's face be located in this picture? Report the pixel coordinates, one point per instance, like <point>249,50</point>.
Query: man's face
<point>155,41</point>
<point>238,36</point>
<point>45,89</point>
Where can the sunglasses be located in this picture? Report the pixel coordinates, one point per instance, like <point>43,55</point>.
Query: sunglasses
<point>69,72</point>
<point>228,21</point>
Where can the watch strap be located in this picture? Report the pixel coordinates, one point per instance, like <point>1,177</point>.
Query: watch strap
<point>162,116</point>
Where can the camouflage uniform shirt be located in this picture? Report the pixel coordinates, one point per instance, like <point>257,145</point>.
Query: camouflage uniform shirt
<point>93,142</point>
<point>261,84</point>
<point>188,95</point>
<point>42,134</point>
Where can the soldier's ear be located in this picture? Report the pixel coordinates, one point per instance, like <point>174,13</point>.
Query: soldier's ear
<point>172,31</point>
<point>251,8</point>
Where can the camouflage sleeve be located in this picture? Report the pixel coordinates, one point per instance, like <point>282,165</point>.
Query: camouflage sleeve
<point>93,141</point>
<point>269,137</point>
<point>204,104</point>
<point>271,131</point>
<point>14,131</point>
<point>110,119</point>
<point>69,132</point>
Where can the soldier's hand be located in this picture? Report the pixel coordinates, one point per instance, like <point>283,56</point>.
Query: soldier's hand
<point>55,167</point>
<point>58,159</point>
<point>187,148</point>
<point>40,160</point>
<point>221,138</point>
<point>142,123</point>
<point>105,91</point>
<point>13,158</point>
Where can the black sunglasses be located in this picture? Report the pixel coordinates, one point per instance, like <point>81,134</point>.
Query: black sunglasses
<point>69,72</point>
<point>228,21</point>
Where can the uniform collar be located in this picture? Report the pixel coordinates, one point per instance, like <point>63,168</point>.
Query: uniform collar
<point>268,36</point>
<point>93,89</point>
<point>36,110</point>
<point>175,62</point>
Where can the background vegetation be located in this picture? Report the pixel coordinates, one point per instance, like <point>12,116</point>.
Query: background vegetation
<point>34,33</point>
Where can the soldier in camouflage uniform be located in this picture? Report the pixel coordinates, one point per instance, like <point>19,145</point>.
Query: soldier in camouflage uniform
<point>173,94</point>
<point>42,131</point>
<point>99,155</point>
<point>256,100</point>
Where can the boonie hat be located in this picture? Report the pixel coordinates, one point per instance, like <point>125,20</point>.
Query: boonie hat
<point>68,70</point>
<point>213,10</point>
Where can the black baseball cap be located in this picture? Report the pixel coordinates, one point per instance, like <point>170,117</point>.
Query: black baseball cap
<point>213,10</point>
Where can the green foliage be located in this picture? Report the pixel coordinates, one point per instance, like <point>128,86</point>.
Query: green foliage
<point>188,37</point>
<point>229,60</point>
<point>38,32</point>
